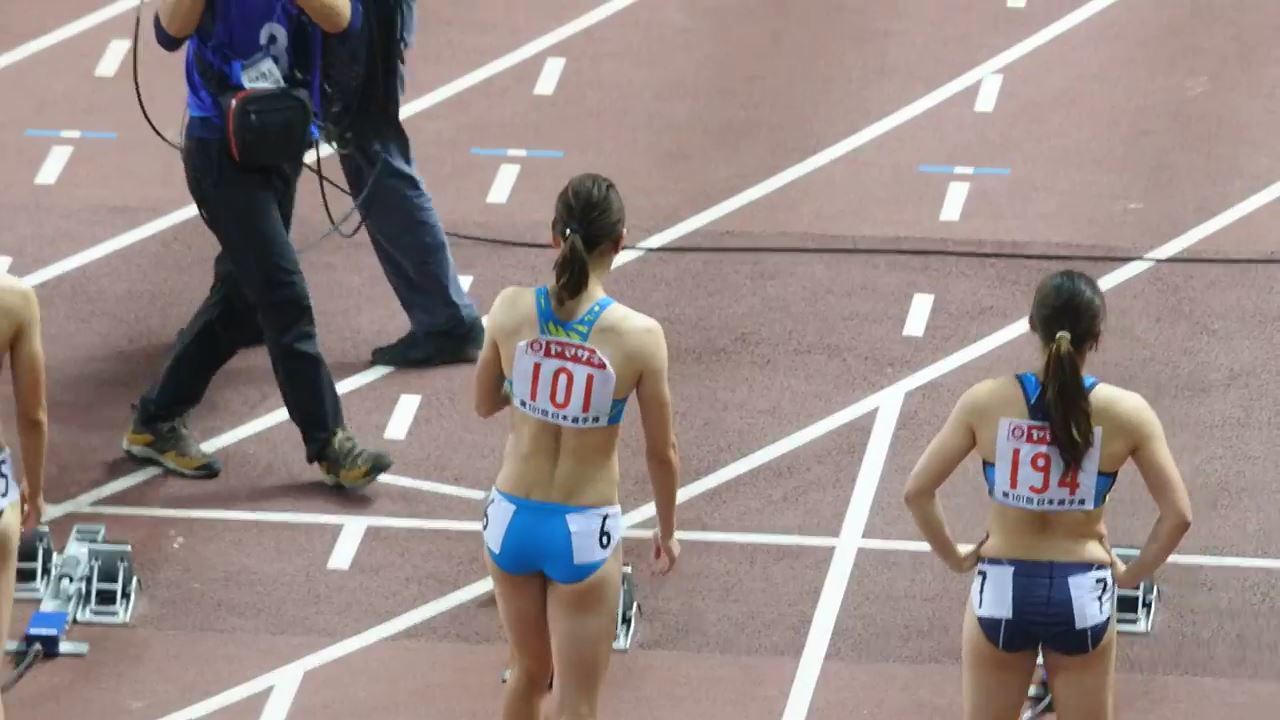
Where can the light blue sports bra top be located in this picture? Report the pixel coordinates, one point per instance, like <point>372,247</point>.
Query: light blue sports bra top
<point>578,330</point>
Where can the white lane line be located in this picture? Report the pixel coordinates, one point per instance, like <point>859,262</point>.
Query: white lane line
<point>5,262</point>
<point>66,32</point>
<point>115,53</point>
<point>431,99</point>
<point>402,417</point>
<point>281,698</point>
<point>465,281</point>
<point>841,568</point>
<point>918,315</point>
<point>871,132</point>
<point>953,203</point>
<point>988,91</point>
<point>1225,561</point>
<point>345,547</point>
<point>53,164</point>
<point>549,77</point>
<point>432,487</point>
<point>1016,3</point>
<point>503,181</point>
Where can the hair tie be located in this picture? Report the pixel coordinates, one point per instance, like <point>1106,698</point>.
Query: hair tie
<point>1062,335</point>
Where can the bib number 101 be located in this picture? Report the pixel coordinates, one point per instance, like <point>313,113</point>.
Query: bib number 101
<point>560,393</point>
<point>1041,462</point>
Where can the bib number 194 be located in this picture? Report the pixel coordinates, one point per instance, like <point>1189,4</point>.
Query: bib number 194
<point>1042,463</point>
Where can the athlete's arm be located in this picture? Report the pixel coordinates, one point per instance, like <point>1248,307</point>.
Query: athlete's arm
<point>490,398</point>
<point>943,455</point>
<point>653,394</point>
<point>333,16</point>
<point>176,20</point>
<point>26,353</point>
<point>1155,463</point>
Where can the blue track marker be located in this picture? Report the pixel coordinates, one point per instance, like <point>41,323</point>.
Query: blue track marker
<point>963,170</point>
<point>72,134</point>
<point>517,152</point>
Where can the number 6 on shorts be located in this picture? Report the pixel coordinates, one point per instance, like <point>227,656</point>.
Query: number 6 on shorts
<point>593,533</point>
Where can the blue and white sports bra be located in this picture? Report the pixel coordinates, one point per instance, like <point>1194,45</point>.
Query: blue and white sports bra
<point>559,377</point>
<point>1028,471</point>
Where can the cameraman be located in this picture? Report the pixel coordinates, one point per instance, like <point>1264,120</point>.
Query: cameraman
<point>252,71</point>
<point>366,78</point>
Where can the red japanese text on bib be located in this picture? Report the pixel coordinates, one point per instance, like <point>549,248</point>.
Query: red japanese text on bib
<point>563,382</point>
<point>1031,474</point>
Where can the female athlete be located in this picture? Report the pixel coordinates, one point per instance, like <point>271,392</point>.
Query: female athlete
<point>568,357</point>
<point>1051,444</point>
<point>20,341</point>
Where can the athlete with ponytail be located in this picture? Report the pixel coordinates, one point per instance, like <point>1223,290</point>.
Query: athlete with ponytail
<point>1052,443</point>
<point>568,357</point>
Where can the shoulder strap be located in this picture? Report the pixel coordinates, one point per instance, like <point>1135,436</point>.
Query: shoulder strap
<point>578,330</point>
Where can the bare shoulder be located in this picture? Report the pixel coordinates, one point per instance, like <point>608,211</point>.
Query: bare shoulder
<point>987,392</point>
<point>636,327</point>
<point>1118,404</point>
<point>17,299</point>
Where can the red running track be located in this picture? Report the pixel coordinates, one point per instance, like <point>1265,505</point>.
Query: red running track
<point>1120,133</point>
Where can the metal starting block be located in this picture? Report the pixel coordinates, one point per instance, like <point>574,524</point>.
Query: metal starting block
<point>628,612</point>
<point>1136,608</point>
<point>36,557</point>
<point>91,581</point>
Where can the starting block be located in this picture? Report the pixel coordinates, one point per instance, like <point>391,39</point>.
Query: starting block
<point>628,612</point>
<point>1136,607</point>
<point>91,581</point>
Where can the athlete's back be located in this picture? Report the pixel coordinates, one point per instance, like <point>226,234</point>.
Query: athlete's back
<point>1127,425</point>
<point>559,462</point>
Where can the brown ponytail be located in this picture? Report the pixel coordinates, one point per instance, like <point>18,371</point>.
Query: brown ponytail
<point>1067,401</point>
<point>589,216</point>
<point>572,269</point>
<point>1067,315</point>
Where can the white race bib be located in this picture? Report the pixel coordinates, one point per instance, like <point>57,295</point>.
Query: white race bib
<point>991,593</point>
<point>261,73</point>
<point>594,533</point>
<point>1091,596</point>
<point>1031,474</point>
<point>563,382</point>
<point>9,488</point>
<point>496,519</point>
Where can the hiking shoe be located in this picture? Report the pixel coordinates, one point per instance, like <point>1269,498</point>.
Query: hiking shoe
<point>348,465</point>
<point>417,351</point>
<point>171,446</point>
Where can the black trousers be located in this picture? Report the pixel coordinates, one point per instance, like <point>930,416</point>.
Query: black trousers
<point>258,293</point>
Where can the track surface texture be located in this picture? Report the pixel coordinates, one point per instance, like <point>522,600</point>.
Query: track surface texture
<point>801,404</point>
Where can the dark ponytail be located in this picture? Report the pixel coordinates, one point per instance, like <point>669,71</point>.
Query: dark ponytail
<point>1067,315</point>
<point>589,215</point>
<point>573,268</point>
<point>1067,401</point>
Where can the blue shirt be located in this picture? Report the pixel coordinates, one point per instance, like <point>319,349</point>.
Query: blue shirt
<point>232,32</point>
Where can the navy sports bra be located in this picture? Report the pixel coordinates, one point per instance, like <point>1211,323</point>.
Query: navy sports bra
<point>1032,393</point>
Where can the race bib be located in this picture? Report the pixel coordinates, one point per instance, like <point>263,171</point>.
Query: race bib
<point>594,533</point>
<point>563,382</point>
<point>9,490</point>
<point>1091,596</point>
<point>991,593</point>
<point>1031,474</point>
<point>261,73</point>
<point>495,521</point>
